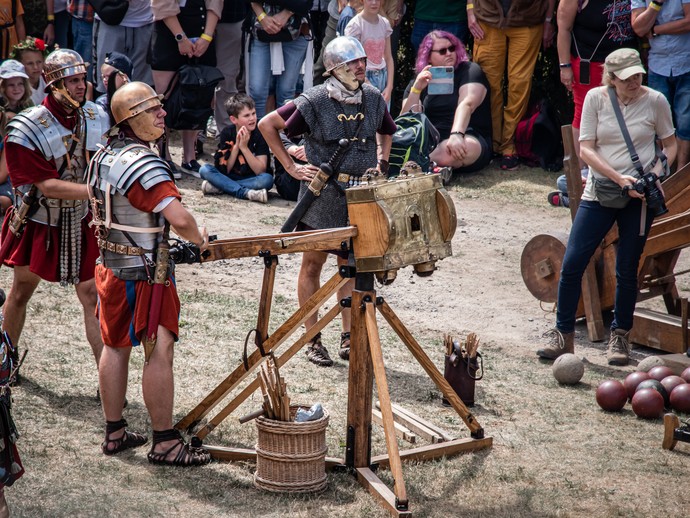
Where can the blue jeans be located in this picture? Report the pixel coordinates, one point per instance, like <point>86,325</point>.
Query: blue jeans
<point>421,28</point>
<point>260,73</point>
<point>235,184</point>
<point>82,36</point>
<point>677,92</point>
<point>591,224</point>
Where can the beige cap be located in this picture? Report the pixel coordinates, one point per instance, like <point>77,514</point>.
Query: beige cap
<point>624,63</point>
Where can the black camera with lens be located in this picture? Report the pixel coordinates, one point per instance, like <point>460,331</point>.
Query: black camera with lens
<point>184,252</point>
<point>655,199</point>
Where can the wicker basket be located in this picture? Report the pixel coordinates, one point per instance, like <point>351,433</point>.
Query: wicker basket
<point>291,456</point>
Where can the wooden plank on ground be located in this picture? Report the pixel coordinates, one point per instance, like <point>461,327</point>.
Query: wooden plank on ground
<point>400,430</point>
<point>380,491</point>
<point>418,425</point>
<point>434,451</point>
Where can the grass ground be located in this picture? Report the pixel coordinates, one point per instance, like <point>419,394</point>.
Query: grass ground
<point>555,453</point>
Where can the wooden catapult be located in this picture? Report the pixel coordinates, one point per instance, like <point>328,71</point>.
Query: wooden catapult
<point>381,233</point>
<point>670,234</point>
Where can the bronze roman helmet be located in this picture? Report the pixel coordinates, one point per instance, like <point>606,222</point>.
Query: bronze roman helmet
<point>130,103</point>
<point>58,65</point>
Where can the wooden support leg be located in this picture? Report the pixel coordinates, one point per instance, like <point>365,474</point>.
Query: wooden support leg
<point>475,428</point>
<point>386,411</point>
<point>265,301</point>
<point>360,379</point>
<point>276,339</point>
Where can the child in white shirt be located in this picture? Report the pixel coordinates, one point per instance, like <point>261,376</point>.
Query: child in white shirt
<point>374,31</point>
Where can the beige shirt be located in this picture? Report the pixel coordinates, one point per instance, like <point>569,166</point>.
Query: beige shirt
<point>165,8</point>
<point>647,117</point>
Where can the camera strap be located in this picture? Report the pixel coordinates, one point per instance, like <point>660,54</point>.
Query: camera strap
<point>633,154</point>
<point>624,131</point>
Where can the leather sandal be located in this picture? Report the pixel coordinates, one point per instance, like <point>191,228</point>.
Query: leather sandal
<point>344,351</point>
<point>127,441</point>
<point>187,455</point>
<point>317,353</point>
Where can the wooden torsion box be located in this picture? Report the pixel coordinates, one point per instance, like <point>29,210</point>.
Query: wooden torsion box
<point>407,220</point>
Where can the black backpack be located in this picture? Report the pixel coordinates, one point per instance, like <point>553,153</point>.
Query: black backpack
<point>538,139</point>
<point>415,139</point>
<point>188,106</point>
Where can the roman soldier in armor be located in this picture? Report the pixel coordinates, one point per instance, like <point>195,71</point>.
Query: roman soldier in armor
<point>134,204</point>
<point>46,235</point>
<point>344,107</point>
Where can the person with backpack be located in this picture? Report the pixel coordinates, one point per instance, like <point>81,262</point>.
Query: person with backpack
<point>463,117</point>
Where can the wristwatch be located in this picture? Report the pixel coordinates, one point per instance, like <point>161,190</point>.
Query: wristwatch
<point>180,37</point>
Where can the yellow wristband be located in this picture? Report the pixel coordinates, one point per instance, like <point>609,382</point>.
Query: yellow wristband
<point>415,90</point>
<point>51,17</point>
<point>470,6</point>
<point>206,37</point>
<point>654,6</point>
<point>261,16</point>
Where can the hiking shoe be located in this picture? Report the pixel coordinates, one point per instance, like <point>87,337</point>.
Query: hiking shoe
<point>259,196</point>
<point>317,353</point>
<point>192,168</point>
<point>175,171</point>
<point>208,188</point>
<point>344,351</point>
<point>510,162</point>
<point>555,198</point>
<point>618,352</point>
<point>559,343</point>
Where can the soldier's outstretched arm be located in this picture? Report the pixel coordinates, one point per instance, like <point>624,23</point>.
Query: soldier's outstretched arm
<point>184,224</point>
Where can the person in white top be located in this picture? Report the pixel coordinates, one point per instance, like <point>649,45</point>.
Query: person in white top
<point>374,33</point>
<point>31,53</point>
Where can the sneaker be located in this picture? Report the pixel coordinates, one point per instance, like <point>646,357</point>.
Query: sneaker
<point>208,188</point>
<point>211,128</point>
<point>618,352</point>
<point>559,343</point>
<point>192,168</point>
<point>260,196</point>
<point>510,162</point>
<point>445,172</point>
<point>555,198</point>
<point>317,353</point>
<point>175,171</point>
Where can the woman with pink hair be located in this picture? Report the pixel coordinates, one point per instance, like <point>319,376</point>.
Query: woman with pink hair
<point>463,116</point>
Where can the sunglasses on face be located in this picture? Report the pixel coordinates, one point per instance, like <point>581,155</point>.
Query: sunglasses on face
<point>445,50</point>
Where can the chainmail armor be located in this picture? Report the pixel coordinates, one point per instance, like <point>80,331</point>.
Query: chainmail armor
<point>329,121</point>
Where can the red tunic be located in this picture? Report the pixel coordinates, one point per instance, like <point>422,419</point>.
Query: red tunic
<point>123,306</point>
<point>39,245</point>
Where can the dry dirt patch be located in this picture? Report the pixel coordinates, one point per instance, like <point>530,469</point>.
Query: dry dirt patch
<point>555,453</point>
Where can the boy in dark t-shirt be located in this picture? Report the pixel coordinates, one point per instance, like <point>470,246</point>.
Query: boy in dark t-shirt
<point>241,162</point>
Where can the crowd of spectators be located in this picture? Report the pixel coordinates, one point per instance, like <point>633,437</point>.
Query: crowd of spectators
<point>273,50</point>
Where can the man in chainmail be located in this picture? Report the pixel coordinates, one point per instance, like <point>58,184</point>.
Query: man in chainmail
<point>344,107</point>
<point>46,235</point>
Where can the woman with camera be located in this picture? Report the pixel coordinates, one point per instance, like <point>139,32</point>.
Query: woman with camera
<point>610,195</point>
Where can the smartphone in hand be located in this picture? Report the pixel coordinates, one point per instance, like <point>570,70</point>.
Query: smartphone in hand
<point>441,81</point>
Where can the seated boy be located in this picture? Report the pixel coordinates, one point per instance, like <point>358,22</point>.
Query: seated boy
<point>241,162</point>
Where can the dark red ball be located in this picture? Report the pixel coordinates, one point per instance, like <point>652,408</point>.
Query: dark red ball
<point>656,385</point>
<point>680,398</point>
<point>632,380</point>
<point>660,372</point>
<point>671,382</point>
<point>647,403</point>
<point>611,395</point>
<point>686,375</point>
